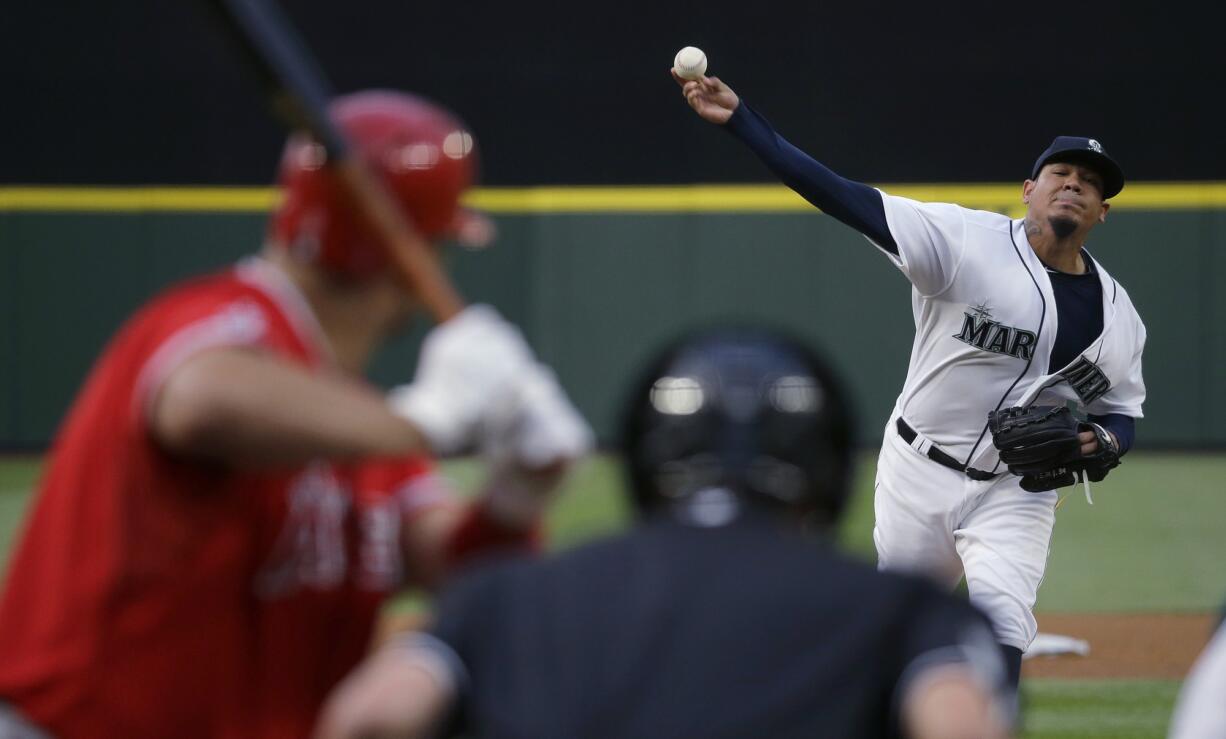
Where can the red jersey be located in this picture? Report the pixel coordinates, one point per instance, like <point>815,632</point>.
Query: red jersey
<point>154,597</point>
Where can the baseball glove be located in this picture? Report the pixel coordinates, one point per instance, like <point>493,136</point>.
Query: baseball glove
<point>1104,459</point>
<point>1040,444</point>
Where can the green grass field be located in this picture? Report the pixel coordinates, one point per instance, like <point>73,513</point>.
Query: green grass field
<point>1151,543</point>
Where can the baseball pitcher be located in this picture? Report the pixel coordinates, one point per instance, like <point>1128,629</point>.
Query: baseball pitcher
<point>1015,321</point>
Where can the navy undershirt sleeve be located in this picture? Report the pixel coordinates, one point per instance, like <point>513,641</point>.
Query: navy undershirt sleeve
<point>853,203</point>
<point>1124,428</point>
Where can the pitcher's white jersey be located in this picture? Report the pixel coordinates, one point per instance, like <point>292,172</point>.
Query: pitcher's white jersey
<point>985,324</point>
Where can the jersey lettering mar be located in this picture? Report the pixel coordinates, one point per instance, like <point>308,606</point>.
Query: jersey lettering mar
<point>979,330</point>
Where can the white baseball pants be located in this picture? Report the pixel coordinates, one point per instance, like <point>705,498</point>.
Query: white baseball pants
<point>937,521</point>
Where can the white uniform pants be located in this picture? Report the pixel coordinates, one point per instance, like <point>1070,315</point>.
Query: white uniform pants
<point>939,522</point>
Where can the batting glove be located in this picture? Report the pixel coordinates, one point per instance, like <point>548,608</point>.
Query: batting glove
<point>530,439</point>
<point>534,424</point>
<point>467,368</point>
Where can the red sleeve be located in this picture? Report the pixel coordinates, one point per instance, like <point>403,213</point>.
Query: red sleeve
<point>480,535</point>
<point>414,482</point>
<point>191,328</point>
<point>418,487</point>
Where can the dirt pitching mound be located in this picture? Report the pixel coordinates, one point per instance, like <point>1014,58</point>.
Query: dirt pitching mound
<point>1133,645</point>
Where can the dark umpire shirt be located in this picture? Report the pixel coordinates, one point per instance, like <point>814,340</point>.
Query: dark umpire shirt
<point>675,630</point>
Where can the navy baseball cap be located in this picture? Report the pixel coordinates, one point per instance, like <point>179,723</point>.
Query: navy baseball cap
<point>1085,151</point>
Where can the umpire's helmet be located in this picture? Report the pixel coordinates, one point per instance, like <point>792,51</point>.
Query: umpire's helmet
<point>743,410</point>
<point>425,156</point>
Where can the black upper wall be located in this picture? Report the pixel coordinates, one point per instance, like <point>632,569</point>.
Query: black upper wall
<point>145,92</point>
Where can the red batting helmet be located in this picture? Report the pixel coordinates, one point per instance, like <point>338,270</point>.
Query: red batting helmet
<point>425,156</point>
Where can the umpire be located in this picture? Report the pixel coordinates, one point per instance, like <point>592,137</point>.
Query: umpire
<point>723,613</point>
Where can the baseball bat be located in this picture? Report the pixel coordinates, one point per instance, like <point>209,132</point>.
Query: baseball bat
<point>299,93</point>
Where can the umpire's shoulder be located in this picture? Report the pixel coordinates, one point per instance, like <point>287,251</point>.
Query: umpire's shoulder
<point>895,589</point>
<point>496,570</point>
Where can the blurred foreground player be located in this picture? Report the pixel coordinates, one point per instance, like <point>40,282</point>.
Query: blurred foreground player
<point>228,503</point>
<point>1200,711</point>
<point>719,614</point>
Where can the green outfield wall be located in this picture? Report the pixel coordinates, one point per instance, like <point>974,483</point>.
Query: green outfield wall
<point>598,277</point>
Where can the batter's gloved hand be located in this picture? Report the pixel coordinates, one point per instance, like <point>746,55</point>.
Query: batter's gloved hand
<point>1039,443</point>
<point>466,367</point>
<point>534,424</point>
<point>530,440</point>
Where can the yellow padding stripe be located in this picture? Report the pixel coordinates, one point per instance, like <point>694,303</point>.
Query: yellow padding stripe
<point>137,199</point>
<point>590,199</point>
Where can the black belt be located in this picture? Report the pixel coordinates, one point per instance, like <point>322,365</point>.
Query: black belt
<point>936,455</point>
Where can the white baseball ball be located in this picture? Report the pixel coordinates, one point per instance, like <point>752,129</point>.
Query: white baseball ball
<point>690,63</point>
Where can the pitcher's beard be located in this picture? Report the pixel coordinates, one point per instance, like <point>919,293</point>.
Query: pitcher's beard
<point>1062,227</point>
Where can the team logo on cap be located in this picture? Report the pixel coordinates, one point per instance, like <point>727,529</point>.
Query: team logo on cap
<point>1095,146</point>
